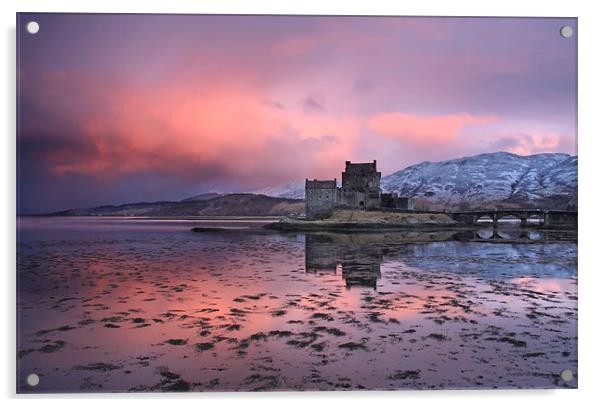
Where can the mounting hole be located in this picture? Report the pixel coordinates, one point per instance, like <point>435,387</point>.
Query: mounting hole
<point>33,379</point>
<point>566,375</point>
<point>566,31</point>
<point>32,27</point>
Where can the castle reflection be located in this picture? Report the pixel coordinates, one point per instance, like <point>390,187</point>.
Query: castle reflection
<point>358,256</point>
<point>354,256</point>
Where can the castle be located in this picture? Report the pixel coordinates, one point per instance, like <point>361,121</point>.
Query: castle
<point>360,189</point>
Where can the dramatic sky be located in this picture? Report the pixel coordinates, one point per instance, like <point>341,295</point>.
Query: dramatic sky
<point>122,108</point>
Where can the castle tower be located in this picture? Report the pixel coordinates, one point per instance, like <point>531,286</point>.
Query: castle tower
<point>361,186</point>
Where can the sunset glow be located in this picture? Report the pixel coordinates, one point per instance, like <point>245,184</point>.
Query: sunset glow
<point>122,108</point>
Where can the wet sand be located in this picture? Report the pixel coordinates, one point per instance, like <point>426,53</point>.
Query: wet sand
<point>106,307</point>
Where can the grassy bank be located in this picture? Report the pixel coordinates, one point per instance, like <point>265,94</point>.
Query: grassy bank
<point>365,220</point>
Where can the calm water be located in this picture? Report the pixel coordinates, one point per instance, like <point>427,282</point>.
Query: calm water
<point>141,305</point>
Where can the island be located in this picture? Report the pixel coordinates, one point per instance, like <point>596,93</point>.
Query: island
<point>360,204</point>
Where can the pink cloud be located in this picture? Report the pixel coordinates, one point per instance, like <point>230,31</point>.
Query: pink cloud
<point>526,144</point>
<point>293,46</point>
<point>424,130</point>
<point>227,130</point>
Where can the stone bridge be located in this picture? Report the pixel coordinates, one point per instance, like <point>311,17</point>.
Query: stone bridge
<point>549,217</point>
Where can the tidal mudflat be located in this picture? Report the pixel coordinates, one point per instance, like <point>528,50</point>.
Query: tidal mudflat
<point>108,305</point>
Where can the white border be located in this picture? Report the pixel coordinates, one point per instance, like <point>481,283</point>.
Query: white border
<point>590,132</point>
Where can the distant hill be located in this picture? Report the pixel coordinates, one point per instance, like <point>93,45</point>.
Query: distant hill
<point>496,179</point>
<point>222,205</point>
<point>203,197</point>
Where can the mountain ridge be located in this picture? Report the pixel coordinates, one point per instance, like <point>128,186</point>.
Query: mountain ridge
<point>544,180</point>
<point>483,181</point>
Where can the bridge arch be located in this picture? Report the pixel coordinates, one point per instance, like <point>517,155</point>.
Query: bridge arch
<point>483,219</point>
<point>485,234</point>
<point>509,219</point>
<point>536,219</point>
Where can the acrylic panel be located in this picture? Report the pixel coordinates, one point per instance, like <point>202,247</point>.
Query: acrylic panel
<point>267,203</point>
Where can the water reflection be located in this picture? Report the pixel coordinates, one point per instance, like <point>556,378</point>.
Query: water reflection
<point>358,257</point>
<point>353,255</point>
<point>125,306</point>
<point>518,235</point>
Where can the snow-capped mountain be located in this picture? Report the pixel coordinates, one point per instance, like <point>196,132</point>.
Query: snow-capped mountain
<point>291,189</point>
<point>541,180</point>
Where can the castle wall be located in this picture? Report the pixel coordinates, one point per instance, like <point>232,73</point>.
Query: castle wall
<point>320,197</point>
<point>358,199</point>
<point>406,203</point>
<point>392,200</point>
